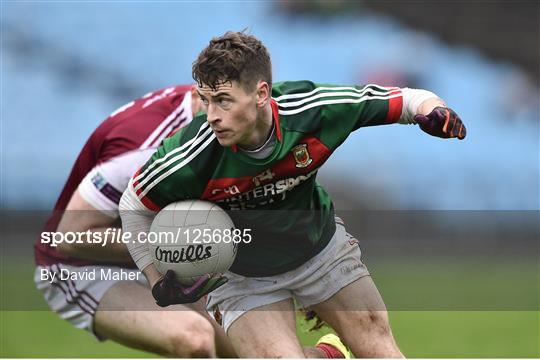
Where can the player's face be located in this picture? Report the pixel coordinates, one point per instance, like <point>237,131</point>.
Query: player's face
<point>232,113</point>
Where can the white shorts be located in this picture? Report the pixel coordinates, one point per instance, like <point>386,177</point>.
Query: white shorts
<point>313,282</point>
<point>75,292</point>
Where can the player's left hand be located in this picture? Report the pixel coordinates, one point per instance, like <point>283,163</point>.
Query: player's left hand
<point>442,122</point>
<point>168,291</point>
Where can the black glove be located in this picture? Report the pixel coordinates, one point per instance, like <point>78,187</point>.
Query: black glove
<point>442,122</point>
<point>168,291</point>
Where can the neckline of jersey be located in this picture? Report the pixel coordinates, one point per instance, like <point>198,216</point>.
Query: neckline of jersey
<point>279,137</point>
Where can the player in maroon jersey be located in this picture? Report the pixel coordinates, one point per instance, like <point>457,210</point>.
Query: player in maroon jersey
<point>97,287</point>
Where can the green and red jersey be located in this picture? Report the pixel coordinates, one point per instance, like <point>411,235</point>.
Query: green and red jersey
<point>290,214</point>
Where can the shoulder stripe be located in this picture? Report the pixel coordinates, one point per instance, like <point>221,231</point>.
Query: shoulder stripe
<point>170,118</point>
<point>175,128</point>
<point>171,153</point>
<point>167,131</point>
<point>177,167</point>
<point>338,101</point>
<point>337,88</point>
<point>356,94</point>
<point>174,159</point>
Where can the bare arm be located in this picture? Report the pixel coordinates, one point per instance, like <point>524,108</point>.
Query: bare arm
<point>152,274</point>
<point>81,216</point>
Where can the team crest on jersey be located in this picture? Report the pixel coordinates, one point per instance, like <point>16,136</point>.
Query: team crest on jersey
<point>301,156</point>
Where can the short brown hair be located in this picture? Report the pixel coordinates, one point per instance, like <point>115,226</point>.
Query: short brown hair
<point>234,56</point>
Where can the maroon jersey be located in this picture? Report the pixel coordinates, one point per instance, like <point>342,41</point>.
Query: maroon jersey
<point>115,150</point>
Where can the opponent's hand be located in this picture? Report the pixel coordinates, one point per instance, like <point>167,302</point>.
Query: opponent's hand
<point>168,291</point>
<point>442,122</point>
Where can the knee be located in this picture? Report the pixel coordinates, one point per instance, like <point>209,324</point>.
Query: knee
<point>376,339</point>
<point>375,322</point>
<point>195,340</point>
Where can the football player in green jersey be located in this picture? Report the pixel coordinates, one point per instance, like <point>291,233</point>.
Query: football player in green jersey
<point>257,150</point>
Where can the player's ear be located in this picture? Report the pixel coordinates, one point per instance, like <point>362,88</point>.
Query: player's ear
<point>263,93</point>
<point>196,103</point>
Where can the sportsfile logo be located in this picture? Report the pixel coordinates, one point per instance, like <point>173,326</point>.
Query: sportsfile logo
<point>189,253</point>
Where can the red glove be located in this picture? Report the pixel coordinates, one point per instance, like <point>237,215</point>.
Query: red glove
<point>442,122</point>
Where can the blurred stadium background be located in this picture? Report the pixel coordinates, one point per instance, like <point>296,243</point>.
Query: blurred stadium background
<point>450,230</point>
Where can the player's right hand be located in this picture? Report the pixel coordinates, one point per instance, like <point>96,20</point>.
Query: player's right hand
<point>168,291</point>
<point>442,122</point>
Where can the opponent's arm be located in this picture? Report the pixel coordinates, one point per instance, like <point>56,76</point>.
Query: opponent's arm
<point>94,208</point>
<point>81,216</point>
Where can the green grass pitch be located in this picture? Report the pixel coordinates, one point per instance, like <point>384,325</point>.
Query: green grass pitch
<point>428,333</point>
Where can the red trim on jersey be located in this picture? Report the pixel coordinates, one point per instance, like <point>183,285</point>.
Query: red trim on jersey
<point>219,189</point>
<point>317,152</point>
<point>395,106</point>
<point>223,188</point>
<point>145,200</point>
<point>275,118</point>
<point>150,204</point>
<point>136,182</point>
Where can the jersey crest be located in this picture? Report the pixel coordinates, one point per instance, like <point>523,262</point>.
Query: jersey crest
<point>301,156</point>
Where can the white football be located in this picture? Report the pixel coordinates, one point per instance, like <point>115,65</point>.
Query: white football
<point>192,238</point>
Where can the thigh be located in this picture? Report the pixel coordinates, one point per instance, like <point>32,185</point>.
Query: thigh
<point>268,331</point>
<point>337,266</point>
<point>128,314</point>
<point>359,295</point>
<point>75,292</point>
<point>358,314</point>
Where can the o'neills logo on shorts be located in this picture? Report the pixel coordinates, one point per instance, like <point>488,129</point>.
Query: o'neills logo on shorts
<point>189,253</point>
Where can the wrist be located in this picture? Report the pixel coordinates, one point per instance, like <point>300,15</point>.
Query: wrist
<point>152,275</point>
<point>428,105</point>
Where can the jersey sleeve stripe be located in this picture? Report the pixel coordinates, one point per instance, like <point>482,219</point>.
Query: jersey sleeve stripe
<point>168,155</point>
<point>324,88</point>
<point>334,94</point>
<point>135,177</point>
<point>173,160</point>
<point>164,131</point>
<point>168,130</point>
<point>150,205</point>
<point>338,101</point>
<point>177,126</point>
<point>170,118</point>
<point>179,166</point>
